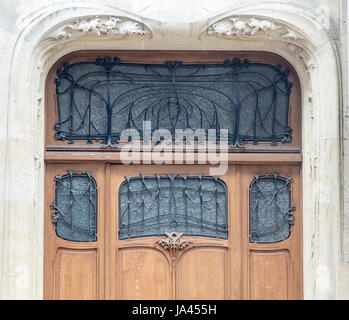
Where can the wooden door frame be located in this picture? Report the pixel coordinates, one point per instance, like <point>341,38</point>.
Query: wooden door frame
<point>199,241</point>
<point>59,152</point>
<point>239,289</point>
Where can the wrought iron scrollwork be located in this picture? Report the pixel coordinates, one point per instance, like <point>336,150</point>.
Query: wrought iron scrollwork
<point>271,211</point>
<point>155,205</point>
<point>75,207</point>
<point>98,100</point>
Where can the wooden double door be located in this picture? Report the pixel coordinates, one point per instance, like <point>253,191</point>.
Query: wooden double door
<point>178,263</point>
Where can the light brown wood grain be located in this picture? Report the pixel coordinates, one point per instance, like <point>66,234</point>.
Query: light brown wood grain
<point>212,268</point>
<point>144,273</point>
<point>260,254</point>
<point>182,283</point>
<point>270,275</point>
<point>75,256</point>
<point>202,274</point>
<point>76,275</point>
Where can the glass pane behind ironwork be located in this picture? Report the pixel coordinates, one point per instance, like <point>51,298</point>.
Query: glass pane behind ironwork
<point>270,209</point>
<point>155,205</point>
<point>97,100</point>
<point>76,207</point>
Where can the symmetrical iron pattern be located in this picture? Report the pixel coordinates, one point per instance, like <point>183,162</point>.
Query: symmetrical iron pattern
<point>75,208</point>
<point>98,100</point>
<point>156,205</point>
<point>271,214</point>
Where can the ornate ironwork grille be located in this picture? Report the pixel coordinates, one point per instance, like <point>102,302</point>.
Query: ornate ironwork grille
<point>155,205</point>
<point>271,214</point>
<point>75,208</point>
<point>98,100</point>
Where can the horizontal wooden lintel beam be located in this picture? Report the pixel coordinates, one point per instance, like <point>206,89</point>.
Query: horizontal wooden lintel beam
<point>175,158</point>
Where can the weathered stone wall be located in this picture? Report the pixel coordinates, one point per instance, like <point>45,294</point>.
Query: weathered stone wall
<point>310,34</point>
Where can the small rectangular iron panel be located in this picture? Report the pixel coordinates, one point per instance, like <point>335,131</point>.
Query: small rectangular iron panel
<point>75,207</point>
<point>271,214</point>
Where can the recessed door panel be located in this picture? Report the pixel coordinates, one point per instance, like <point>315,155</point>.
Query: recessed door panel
<point>144,273</point>
<point>76,274</point>
<point>202,274</point>
<point>270,275</point>
<point>229,254</point>
<point>184,214</point>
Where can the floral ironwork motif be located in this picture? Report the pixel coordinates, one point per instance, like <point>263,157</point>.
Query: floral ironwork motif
<point>75,207</point>
<point>98,100</point>
<point>271,211</point>
<point>155,205</point>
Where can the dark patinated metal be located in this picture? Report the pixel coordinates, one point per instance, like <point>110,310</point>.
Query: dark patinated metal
<point>97,100</point>
<point>75,207</point>
<point>271,211</point>
<point>156,205</point>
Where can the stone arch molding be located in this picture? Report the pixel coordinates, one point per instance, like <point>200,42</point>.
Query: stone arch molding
<point>261,29</point>
<point>48,34</point>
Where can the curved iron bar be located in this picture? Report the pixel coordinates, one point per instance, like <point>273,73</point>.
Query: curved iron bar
<point>176,90</point>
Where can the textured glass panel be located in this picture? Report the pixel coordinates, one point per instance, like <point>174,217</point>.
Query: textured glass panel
<point>76,207</point>
<point>97,100</point>
<point>270,209</point>
<point>155,205</point>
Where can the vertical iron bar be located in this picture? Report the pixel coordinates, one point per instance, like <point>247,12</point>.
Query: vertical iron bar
<point>273,121</point>
<point>275,197</point>
<point>109,112</point>
<point>89,119</point>
<point>200,194</point>
<point>89,206</point>
<point>159,195</point>
<point>128,207</point>
<point>216,203</point>
<point>185,201</point>
<point>71,117</point>
<point>71,198</point>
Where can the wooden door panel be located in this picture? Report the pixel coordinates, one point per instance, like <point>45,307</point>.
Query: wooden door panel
<point>146,270</point>
<point>234,268</point>
<point>274,270</point>
<point>76,274</point>
<point>270,274</point>
<point>202,274</point>
<point>74,270</point>
<point>143,274</point>
<point>209,268</point>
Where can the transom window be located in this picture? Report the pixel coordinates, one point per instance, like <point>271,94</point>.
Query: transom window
<point>97,100</point>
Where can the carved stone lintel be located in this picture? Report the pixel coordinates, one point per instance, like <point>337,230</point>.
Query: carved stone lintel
<point>100,26</point>
<point>249,27</point>
<point>174,244</point>
<point>246,27</point>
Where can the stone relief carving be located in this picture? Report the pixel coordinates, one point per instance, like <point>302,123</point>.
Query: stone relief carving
<point>101,26</point>
<point>252,28</point>
<point>249,26</point>
<point>301,56</point>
